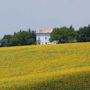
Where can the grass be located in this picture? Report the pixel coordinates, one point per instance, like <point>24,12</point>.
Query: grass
<point>50,67</point>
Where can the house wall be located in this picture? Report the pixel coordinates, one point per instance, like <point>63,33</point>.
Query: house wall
<point>43,38</point>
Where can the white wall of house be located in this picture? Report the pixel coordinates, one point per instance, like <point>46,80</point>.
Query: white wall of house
<point>43,38</point>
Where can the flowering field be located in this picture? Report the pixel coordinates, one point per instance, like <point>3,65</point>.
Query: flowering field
<point>49,67</point>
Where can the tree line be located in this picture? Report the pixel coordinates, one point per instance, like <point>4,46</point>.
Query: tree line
<point>61,35</point>
<point>19,38</point>
<point>67,35</point>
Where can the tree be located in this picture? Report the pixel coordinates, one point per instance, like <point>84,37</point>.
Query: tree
<point>19,38</point>
<point>63,35</point>
<point>6,40</point>
<point>83,35</point>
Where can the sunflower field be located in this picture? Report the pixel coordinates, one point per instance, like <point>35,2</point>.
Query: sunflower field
<point>45,67</point>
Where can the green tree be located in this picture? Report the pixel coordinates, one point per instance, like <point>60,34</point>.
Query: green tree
<point>6,40</point>
<point>19,38</point>
<point>83,35</point>
<point>63,35</point>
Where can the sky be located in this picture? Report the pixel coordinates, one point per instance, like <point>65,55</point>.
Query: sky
<point>37,14</point>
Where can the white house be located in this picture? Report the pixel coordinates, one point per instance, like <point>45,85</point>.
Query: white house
<point>43,36</point>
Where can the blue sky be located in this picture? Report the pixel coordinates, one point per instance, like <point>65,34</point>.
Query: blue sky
<point>36,14</point>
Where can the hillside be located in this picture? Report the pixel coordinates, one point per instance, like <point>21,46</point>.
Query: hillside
<point>49,67</point>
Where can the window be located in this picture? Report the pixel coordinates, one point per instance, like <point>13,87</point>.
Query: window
<point>45,38</point>
<point>38,38</point>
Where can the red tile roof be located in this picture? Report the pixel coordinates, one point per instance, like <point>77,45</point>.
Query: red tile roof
<point>44,31</point>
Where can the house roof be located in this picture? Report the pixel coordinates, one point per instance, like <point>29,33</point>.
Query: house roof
<point>44,31</point>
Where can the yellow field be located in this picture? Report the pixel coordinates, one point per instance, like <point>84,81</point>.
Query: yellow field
<point>50,67</point>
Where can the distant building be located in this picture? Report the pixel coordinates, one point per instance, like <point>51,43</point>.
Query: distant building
<point>43,36</point>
